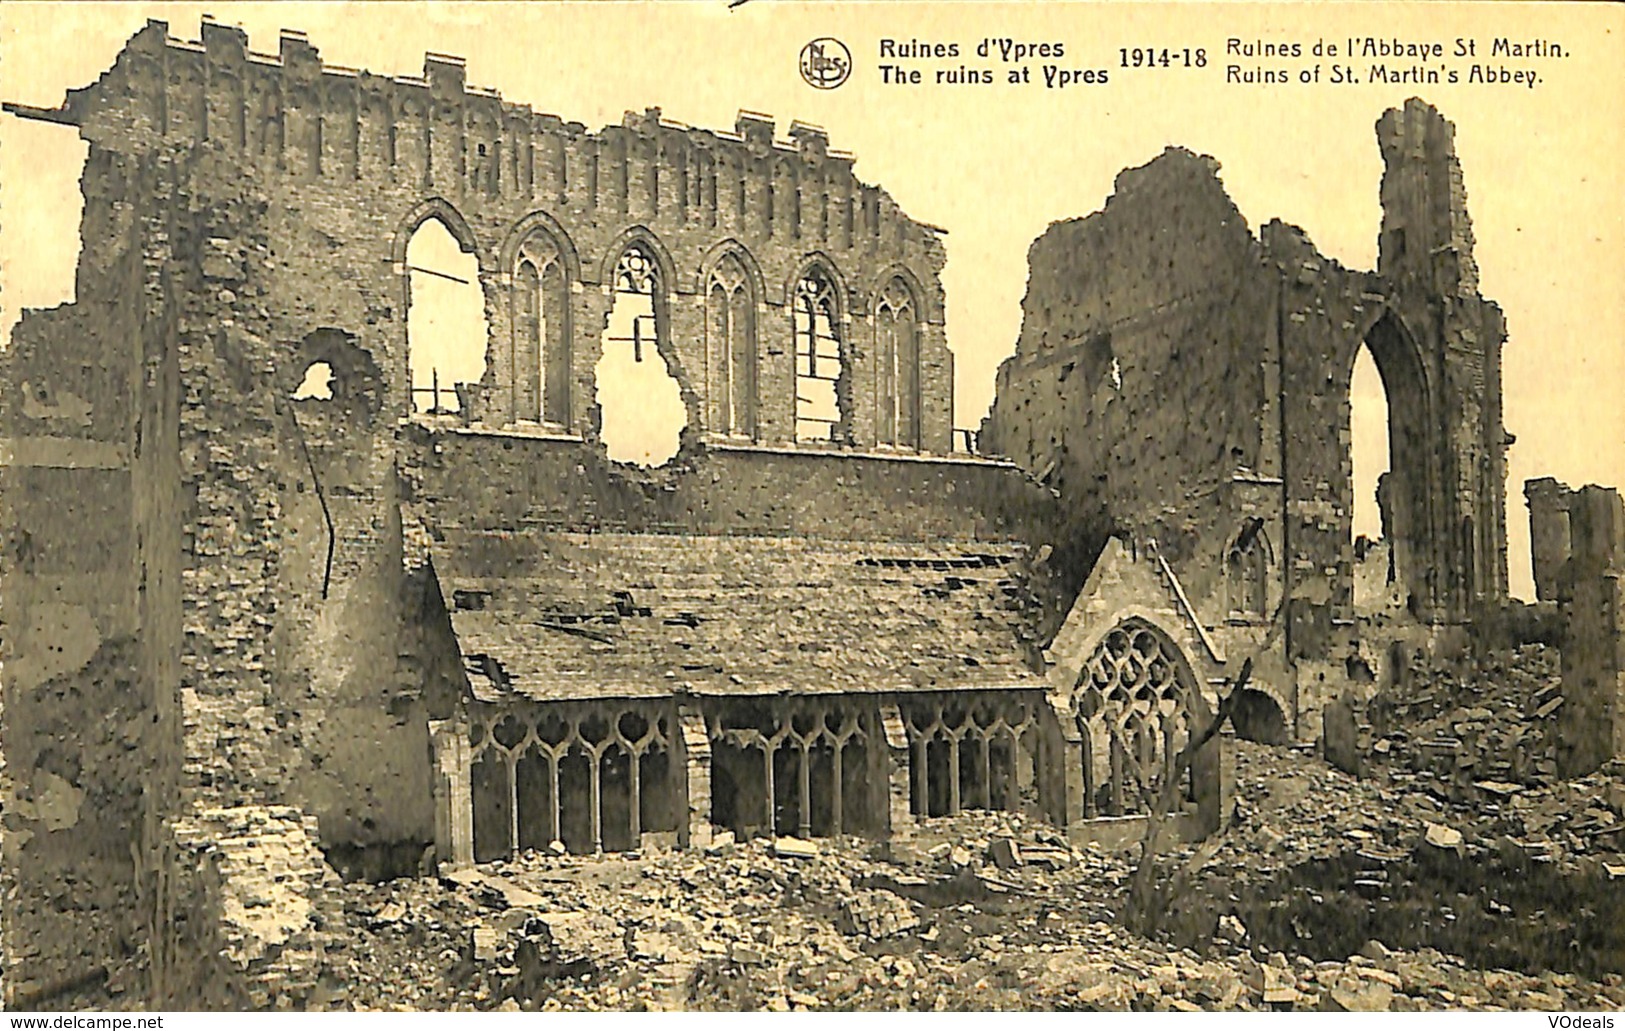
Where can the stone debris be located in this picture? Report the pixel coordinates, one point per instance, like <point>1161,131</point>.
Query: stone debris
<point>876,914</point>
<point>857,925</point>
<point>1441,837</point>
<point>1005,853</point>
<point>1475,730</point>
<point>795,848</point>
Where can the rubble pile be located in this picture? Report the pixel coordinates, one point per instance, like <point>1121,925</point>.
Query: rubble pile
<point>978,911</point>
<point>1474,748</point>
<point>1291,808</point>
<point>1318,861</point>
<point>1326,892</point>
<point>1475,731</point>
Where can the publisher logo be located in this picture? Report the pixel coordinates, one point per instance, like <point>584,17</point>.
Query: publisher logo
<point>825,63</point>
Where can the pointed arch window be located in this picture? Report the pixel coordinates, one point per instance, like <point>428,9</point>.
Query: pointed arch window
<point>1247,572</point>
<point>1134,702</point>
<point>897,359</point>
<point>541,359</point>
<point>820,362</point>
<point>730,326</point>
<point>638,313</point>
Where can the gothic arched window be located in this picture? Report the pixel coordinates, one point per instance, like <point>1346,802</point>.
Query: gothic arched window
<point>541,377</point>
<point>1246,572</point>
<point>897,361</point>
<point>820,362</point>
<point>730,351</point>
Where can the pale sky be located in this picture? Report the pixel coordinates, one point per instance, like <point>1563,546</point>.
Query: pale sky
<point>994,165</point>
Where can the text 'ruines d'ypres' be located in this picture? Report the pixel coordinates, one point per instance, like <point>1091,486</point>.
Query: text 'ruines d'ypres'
<point>1009,55</point>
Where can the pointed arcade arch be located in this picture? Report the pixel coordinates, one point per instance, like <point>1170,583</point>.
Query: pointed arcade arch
<point>1409,489</point>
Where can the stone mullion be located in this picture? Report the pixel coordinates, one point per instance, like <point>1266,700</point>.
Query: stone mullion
<point>804,824</point>
<point>768,749</point>
<point>1116,746</point>
<point>636,799</point>
<point>513,800</point>
<point>1091,808</point>
<point>987,770</point>
<point>919,776</point>
<point>837,817</point>
<point>554,829</point>
<point>1167,751</point>
<point>595,783</point>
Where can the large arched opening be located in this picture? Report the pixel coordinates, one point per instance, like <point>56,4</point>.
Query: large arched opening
<point>1391,473</point>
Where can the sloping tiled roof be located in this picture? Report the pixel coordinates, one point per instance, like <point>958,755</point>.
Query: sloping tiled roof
<point>572,615</point>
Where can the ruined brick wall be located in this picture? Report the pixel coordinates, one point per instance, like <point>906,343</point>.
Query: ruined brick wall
<point>308,183</point>
<point>1134,385</point>
<point>229,576</point>
<point>1143,386</point>
<point>487,479</point>
<point>293,603</point>
<point>90,596</point>
<point>253,913</point>
<point>1167,358</point>
<point>1425,254</point>
<point>1592,720</point>
<point>1548,501</point>
<point>354,162</point>
<point>1436,343</point>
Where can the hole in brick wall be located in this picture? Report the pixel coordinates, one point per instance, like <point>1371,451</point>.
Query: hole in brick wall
<point>317,384</point>
<point>330,365</point>
<point>641,402</point>
<point>470,600</point>
<point>445,318</point>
